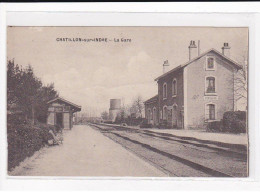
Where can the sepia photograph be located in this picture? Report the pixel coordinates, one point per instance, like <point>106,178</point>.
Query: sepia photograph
<point>127,101</point>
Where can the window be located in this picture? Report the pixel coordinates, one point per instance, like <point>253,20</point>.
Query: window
<point>210,63</point>
<point>164,90</point>
<point>210,112</point>
<point>210,85</point>
<point>174,87</point>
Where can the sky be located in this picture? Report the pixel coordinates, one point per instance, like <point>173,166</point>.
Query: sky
<point>91,73</point>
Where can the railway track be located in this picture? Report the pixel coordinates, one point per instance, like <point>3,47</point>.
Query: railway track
<point>230,149</point>
<point>171,163</point>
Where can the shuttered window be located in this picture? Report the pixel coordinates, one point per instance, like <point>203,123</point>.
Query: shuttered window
<point>210,85</point>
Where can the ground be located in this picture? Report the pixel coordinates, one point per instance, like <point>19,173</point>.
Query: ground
<point>110,150</point>
<point>86,152</point>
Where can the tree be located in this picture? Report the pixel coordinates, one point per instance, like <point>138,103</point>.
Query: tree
<point>239,82</point>
<point>123,113</point>
<point>45,94</point>
<point>138,106</point>
<point>13,80</point>
<point>105,115</point>
<point>27,92</point>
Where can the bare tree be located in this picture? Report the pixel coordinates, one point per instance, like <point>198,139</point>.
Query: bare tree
<point>138,105</point>
<point>239,81</point>
<point>240,84</point>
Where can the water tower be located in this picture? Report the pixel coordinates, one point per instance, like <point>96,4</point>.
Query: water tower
<point>115,106</point>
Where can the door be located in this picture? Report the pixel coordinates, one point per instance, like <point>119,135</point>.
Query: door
<point>66,120</point>
<point>154,116</point>
<point>174,117</point>
<point>59,119</point>
<point>149,116</point>
<point>169,118</point>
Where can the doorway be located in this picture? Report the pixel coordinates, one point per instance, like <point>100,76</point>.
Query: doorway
<point>149,116</point>
<point>169,118</point>
<point>59,119</point>
<point>174,117</point>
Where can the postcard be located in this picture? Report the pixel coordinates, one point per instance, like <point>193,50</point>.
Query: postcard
<point>146,101</point>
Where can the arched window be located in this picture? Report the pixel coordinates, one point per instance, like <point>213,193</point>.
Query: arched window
<point>174,87</point>
<point>210,112</point>
<point>164,90</point>
<point>210,85</point>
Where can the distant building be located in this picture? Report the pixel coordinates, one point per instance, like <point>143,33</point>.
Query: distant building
<point>151,110</point>
<point>115,107</point>
<point>194,93</point>
<point>60,112</point>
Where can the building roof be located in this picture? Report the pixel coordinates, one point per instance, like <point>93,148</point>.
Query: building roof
<point>151,100</point>
<point>77,107</point>
<point>235,64</point>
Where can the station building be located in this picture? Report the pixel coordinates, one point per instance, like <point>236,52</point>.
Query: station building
<point>196,92</point>
<point>60,112</point>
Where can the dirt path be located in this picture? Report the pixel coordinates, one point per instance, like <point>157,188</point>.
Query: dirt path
<point>85,152</point>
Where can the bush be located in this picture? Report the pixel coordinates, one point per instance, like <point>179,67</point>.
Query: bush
<point>144,124</point>
<point>163,124</point>
<point>135,121</point>
<point>234,121</point>
<point>24,139</point>
<point>215,126</point>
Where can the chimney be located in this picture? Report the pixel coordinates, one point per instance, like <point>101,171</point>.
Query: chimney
<point>193,50</point>
<point>165,66</point>
<point>226,49</point>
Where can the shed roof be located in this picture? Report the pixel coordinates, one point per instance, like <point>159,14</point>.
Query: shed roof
<point>232,62</point>
<point>77,107</point>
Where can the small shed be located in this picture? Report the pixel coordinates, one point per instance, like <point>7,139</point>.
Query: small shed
<point>60,112</point>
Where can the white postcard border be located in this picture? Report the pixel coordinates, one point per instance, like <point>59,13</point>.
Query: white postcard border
<point>118,15</point>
